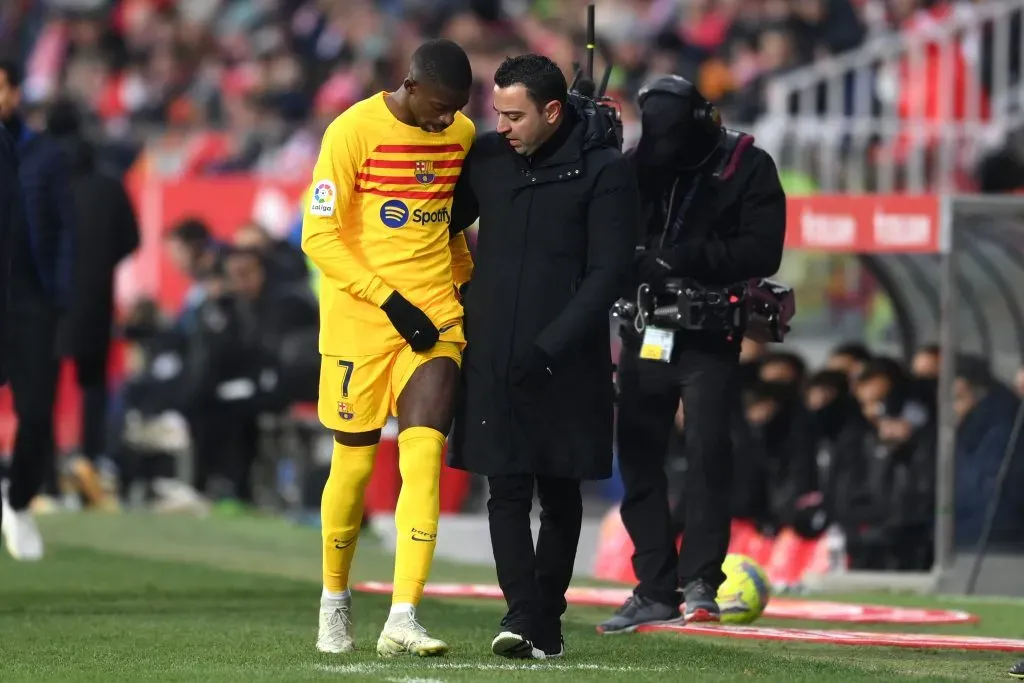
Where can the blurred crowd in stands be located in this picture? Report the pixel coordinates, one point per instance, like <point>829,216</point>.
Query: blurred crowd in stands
<point>853,446</point>
<point>262,78</point>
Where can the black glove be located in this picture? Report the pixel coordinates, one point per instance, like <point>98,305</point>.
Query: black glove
<point>412,323</point>
<point>654,266</point>
<point>533,370</point>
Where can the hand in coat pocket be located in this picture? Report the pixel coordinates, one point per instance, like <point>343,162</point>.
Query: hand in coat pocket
<point>533,370</point>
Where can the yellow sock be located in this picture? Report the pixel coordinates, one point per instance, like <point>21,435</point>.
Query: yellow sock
<point>419,505</point>
<point>341,511</point>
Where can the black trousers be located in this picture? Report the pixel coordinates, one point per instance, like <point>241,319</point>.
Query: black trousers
<point>92,380</point>
<point>33,370</point>
<point>649,394</point>
<point>534,580</point>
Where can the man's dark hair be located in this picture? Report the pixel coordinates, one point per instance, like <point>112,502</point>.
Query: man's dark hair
<point>853,350</point>
<point>975,371</point>
<point>830,379</point>
<point>883,368</point>
<point>442,63</point>
<point>543,80</point>
<point>930,349</point>
<point>192,232</point>
<point>12,70</point>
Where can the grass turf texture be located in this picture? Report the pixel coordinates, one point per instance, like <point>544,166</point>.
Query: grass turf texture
<point>147,598</point>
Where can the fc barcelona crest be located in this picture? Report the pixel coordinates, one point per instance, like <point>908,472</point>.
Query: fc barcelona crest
<point>345,411</point>
<point>425,172</point>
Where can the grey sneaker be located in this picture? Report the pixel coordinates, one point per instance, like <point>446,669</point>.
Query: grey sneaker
<point>1018,670</point>
<point>639,611</point>
<point>700,603</point>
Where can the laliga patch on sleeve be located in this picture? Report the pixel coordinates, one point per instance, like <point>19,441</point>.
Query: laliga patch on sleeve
<point>322,199</point>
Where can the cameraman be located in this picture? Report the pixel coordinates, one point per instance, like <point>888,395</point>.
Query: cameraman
<point>713,210</point>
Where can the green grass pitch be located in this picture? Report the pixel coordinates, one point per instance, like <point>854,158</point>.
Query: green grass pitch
<point>148,598</point>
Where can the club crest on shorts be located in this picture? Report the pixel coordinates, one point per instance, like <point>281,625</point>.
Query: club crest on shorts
<point>345,411</point>
<point>425,172</point>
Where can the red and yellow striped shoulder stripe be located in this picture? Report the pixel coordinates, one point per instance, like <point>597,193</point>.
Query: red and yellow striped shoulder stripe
<point>412,171</point>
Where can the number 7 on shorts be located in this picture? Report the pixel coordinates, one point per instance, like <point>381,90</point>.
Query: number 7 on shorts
<point>347,366</point>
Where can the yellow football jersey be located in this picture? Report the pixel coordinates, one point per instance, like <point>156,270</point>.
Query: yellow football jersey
<point>376,221</point>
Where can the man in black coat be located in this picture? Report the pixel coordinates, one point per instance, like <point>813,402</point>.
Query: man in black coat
<point>8,202</point>
<point>713,211</point>
<point>42,257</point>
<point>557,204</point>
<point>107,232</point>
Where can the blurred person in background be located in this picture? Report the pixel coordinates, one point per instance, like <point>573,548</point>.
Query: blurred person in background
<point>781,429</point>
<point>985,411</point>
<point>285,264</point>
<point>887,486</point>
<point>1019,382</point>
<point>782,367</point>
<point>107,232</point>
<point>927,362</point>
<point>42,270</point>
<point>849,358</point>
<point>196,254</point>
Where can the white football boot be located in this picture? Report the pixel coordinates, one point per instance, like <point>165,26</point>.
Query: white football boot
<point>402,635</point>
<point>335,635</point>
<point>21,535</point>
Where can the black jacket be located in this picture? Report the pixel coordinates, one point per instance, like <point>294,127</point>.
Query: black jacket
<point>734,225</point>
<point>107,233</point>
<point>553,251</point>
<point>8,202</point>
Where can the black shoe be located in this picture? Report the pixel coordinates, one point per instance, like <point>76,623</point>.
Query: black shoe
<point>639,611</point>
<point>515,646</point>
<point>700,603</point>
<point>1018,670</point>
<point>554,652</point>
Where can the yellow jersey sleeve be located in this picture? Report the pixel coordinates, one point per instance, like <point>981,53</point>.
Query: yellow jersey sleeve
<point>462,260</point>
<point>342,153</point>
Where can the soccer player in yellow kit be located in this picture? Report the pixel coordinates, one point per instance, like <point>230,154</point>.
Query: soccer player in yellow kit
<point>391,338</point>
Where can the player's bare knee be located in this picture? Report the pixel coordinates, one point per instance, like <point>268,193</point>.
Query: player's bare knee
<point>426,400</point>
<point>358,439</point>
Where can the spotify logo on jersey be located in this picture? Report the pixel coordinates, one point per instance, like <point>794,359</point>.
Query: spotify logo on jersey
<point>394,213</point>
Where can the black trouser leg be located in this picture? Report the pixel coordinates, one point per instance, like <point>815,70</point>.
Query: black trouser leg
<point>709,386</point>
<point>33,371</point>
<point>648,399</point>
<point>92,378</point>
<point>561,518</point>
<point>508,513</point>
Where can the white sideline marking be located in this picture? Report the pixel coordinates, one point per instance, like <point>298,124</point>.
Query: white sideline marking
<point>371,668</point>
<point>414,680</point>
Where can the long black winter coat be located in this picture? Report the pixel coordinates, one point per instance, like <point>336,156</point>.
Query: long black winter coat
<point>555,247</point>
<point>8,202</point>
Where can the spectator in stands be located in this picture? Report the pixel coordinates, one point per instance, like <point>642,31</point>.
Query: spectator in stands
<point>985,411</point>
<point>780,427</point>
<point>281,318</point>
<point>927,362</point>
<point>196,254</point>
<point>838,427</point>
<point>783,368</point>
<point>885,503</point>
<point>284,263</point>
<point>849,358</point>
<point>42,258</point>
<point>107,233</point>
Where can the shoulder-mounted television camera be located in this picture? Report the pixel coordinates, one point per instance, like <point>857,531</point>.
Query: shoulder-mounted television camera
<point>584,85</point>
<point>759,309</point>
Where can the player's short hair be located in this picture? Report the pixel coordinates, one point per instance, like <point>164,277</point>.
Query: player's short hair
<point>792,360</point>
<point>543,80</point>
<point>443,63</point>
<point>13,71</point>
<point>932,349</point>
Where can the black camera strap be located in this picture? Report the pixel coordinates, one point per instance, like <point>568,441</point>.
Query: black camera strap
<point>668,238</point>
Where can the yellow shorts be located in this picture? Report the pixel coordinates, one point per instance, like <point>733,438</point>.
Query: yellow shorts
<point>358,394</point>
